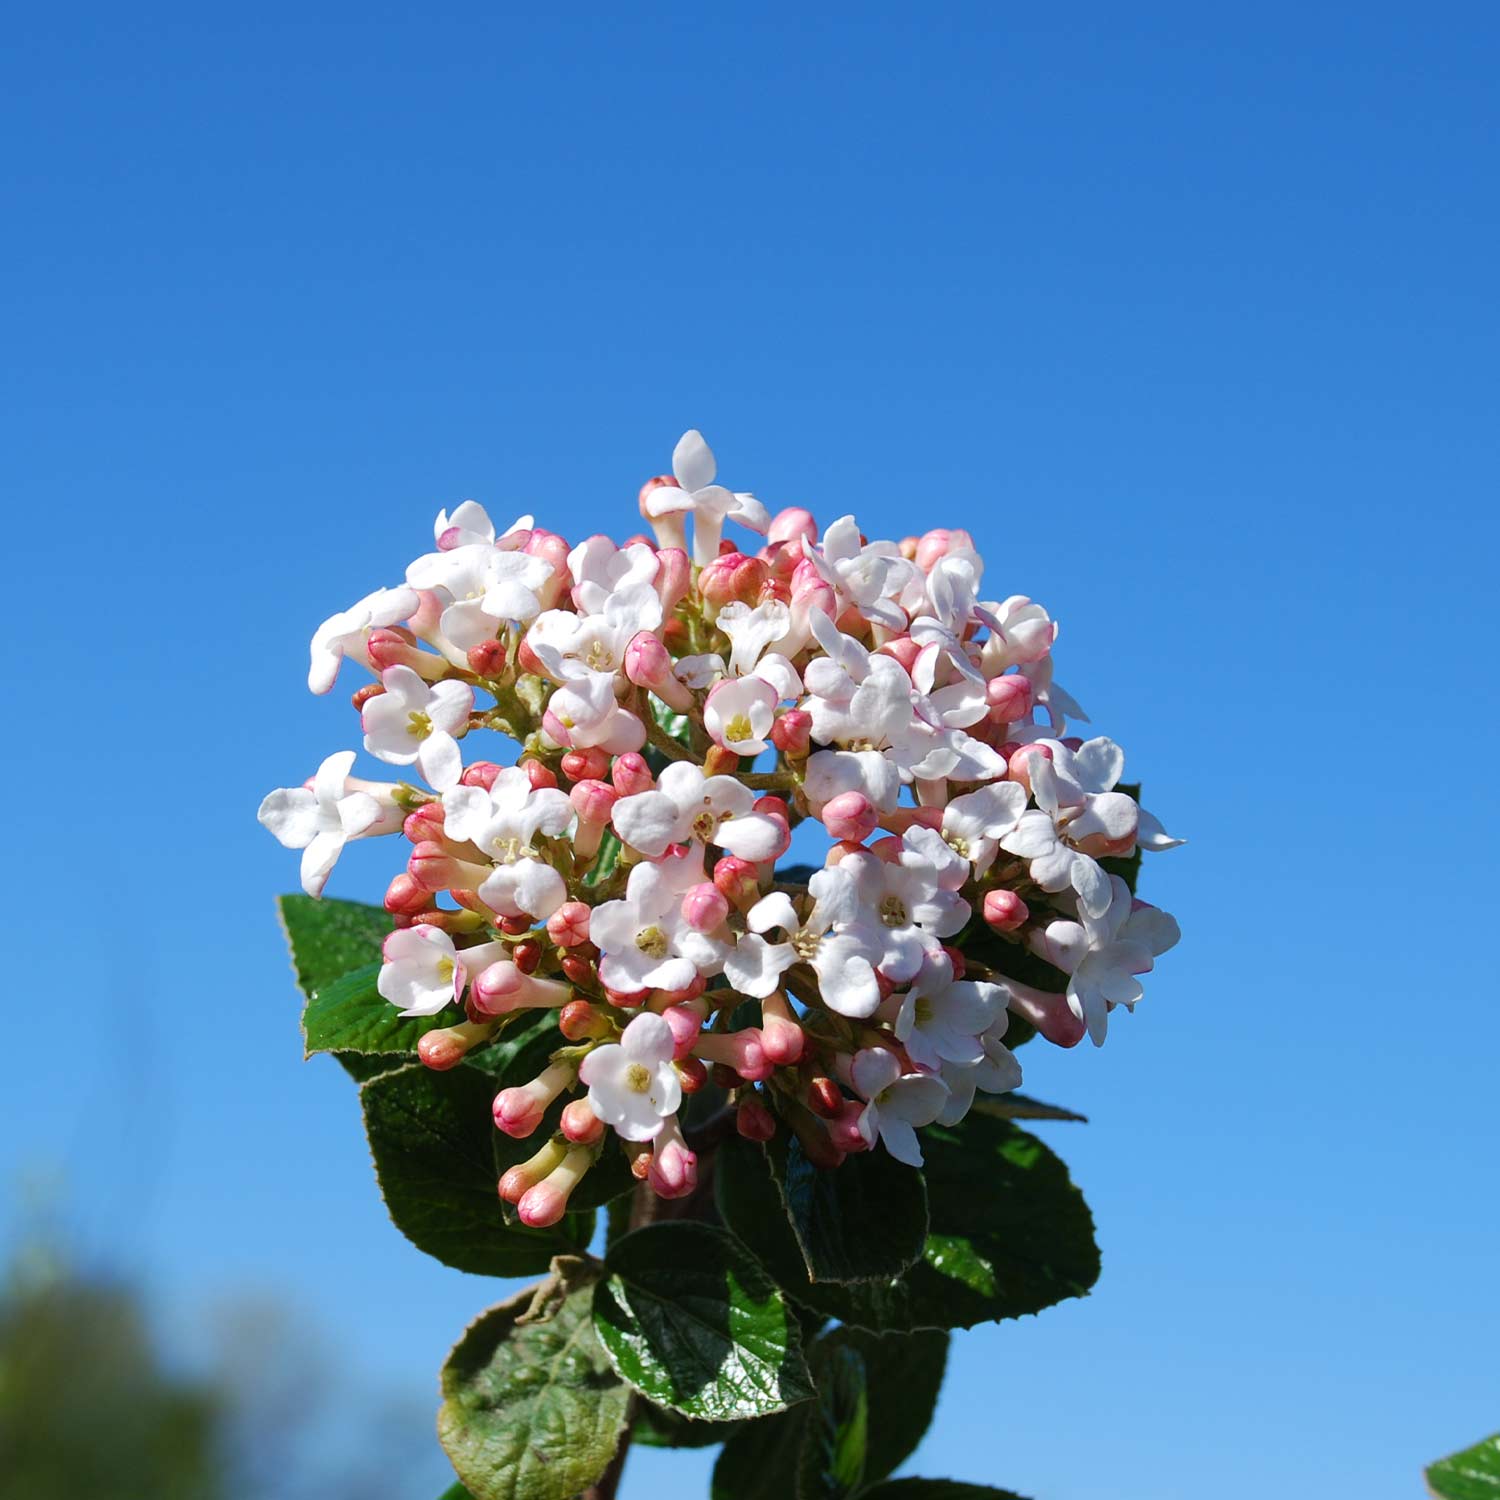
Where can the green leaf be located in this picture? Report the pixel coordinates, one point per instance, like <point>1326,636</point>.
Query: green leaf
<point>657,1427</point>
<point>832,1462</point>
<point>692,1322</point>
<point>1473,1474</point>
<point>863,1221</point>
<point>1020,1107</point>
<point>531,1409</point>
<point>434,1142</point>
<point>1010,1234</point>
<point>936,1489</point>
<point>903,1375</point>
<point>336,954</point>
<point>456,1492</point>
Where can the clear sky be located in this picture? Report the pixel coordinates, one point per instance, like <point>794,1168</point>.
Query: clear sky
<point>1187,312</point>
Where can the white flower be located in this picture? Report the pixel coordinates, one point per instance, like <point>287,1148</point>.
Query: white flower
<point>688,805</point>
<point>345,633</point>
<point>974,824</point>
<point>503,823</point>
<point>1124,942</point>
<point>856,698</point>
<point>1020,633</point>
<point>570,645</point>
<point>583,713</point>
<point>837,939</point>
<point>897,1102</point>
<point>750,632</point>
<point>319,820</point>
<point>600,568</point>
<point>997,1073</point>
<point>412,722</point>
<point>470,525</point>
<point>908,905</point>
<point>645,942</point>
<point>830,773</point>
<point>486,586</point>
<point>632,1084</point>
<point>738,714</point>
<point>422,972</point>
<point>867,577</point>
<point>950,686</point>
<point>710,504</point>
<point>941,1019</point>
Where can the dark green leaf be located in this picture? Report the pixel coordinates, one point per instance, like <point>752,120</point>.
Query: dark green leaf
<point>904,1373</point>
<point>456,1492</point>
<point>434,1143</point>
<point>936,1489</point>
<point>657,1427</point>
<point>1473,1474</point>
<point>831,1465</point>
<point>863,1221</point>
<point>691,1321</point>
<point>531,1409</point>
<point>1010,1234</point>
<point>1020,1107</point>
<point>336,954</point>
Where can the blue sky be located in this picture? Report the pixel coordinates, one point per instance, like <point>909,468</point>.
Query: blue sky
<point>1188,314</point>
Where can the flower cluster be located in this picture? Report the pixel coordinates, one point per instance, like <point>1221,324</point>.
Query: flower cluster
<point>681,705</point>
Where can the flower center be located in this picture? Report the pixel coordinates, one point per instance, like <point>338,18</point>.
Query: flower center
<point>922,1010</point>
<point>739,728</point>
<point>418,725</point>
<point>445,970</point>
<point>858,744</point>
<point>509,850</point>
<point>893,912</point>
<point>652,941</point>
<point>805,943</point>
<point>960,846</point>
<point>599,656</point>
<point>637,1078</point>
<point>706,824</point>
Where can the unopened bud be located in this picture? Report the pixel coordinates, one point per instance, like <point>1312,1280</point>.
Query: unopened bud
<point>691,1074</point>
<point>732,578</point>
<point>579,1123</point>
<point>792,733</point>
<point>487,659</point>
<point>586,765</point>
<point>1009,697</point>
<point>542,778</point>
<point>741,1050</point>
<point>482,774</point>
<point>739,880</point>
<point>791,525</point>
<point>753,1120</point>
<point>524,1175</point>
<point>851,816</point>
<point>527,955</point>
<point>361,696</point>
<point>825,1098</point>
<point>568,926</point>
<point>705,907</point>
<point>902,649</point>
<point>406,896</point>
<point>1020,763</point>
<point>1005,911</point>
<point>631,774</point>
<point>579,1021</point>
<point>578,968</point>
<point>445,1048</point>
<point>720,761</point>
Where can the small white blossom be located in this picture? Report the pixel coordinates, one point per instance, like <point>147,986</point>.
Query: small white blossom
<point>645,942</point>
<point>320,819</point>
<point>345,633</point>
<point>897,1102</point>
<point>422,971</point>
<point>632,1084</point>
<point>502,824</point>
<point>687,805</point>
<point>413,722</point>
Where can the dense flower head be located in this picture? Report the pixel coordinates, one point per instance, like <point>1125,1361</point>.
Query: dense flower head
<point>653,720</point>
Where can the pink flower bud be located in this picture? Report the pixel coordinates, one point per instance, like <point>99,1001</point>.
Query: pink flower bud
<point>648,664</point>
<point>626,999</point>
<point>825,1098</point>
<point>579,1021</point>
<point>527,1174</point>
<point>586,765</point>
<point>498,988</point>
<point>518,1111</point>
<point>931,547</point>
<point>673,574</point>
<point>390,647</point>
<point>674,1169</point>
<point>541,777</point>
<point>481,773</point>
<point>434,869</point>
<point>552,549</point>
<point>739,880</point>
<point>425,822</point>
<point>843,1129</point>
<point>1005,911</point>
<point>851,816</point>
<point>818,1145</point>
<point>579,1123</point>
<point>579,967</point>
<point>1020,763</point>
<point>903,649</point>
<point>732,578</point>
<point>1009,697</point>
<point>631,774</point>
<point>782,1037</point>
<point>1048,1011</point>
<point>686,1023</point>
<point>773,806</point>
<point>487,659</point>
<point>542,1205</point>
<point>568,926</point>
<point>791,525</point>
<point>753,1120</point>
<point>792,733</point>
<point>406,896</point>
<point>361,696</point>
<point>691,1074</point>
<point>680,997</point>
<point>527,956</point>
<point>720,760</point>
<point>528,661</point>
<point>654,483</point>
<point>705,907</point>
<point>593,801</point>
<point>741,1050</point>
<point>445,1048</point>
